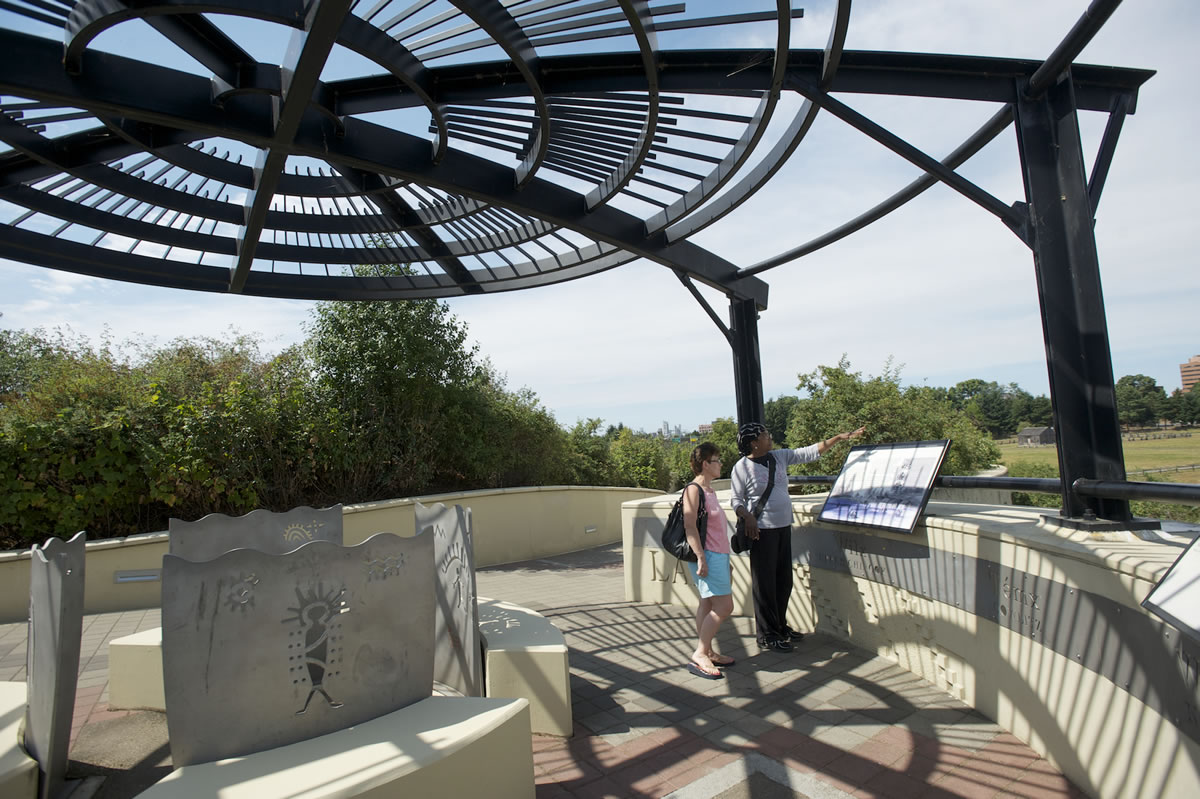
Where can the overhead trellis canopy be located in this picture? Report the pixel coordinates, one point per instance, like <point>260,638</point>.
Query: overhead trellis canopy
<point>492,145</point>
<point>534,165</point>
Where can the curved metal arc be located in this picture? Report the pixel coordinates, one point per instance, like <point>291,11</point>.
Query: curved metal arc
<point>638,13</point>
<point>495,21</point>
<point>370,42</point>
<point>990,130</point>
<point>782,150</point>
<point>89,18</point>
<point>105,177</point>
<point>740,153</point>
<point>369,146</point>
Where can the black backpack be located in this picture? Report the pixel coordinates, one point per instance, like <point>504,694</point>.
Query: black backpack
<point>674,539</point>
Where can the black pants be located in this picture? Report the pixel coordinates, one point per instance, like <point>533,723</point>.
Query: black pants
<point>771,572</point>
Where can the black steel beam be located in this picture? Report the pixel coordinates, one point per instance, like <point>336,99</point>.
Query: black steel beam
<point>306,55</point>
<point>1078,357</point>
<point>747,365</point>
<point>990,130</point>
<point>1077,38</point>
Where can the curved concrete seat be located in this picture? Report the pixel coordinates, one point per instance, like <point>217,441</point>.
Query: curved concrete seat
<point>525,655</point>
<point>441,746</point>
<point>18,771</point>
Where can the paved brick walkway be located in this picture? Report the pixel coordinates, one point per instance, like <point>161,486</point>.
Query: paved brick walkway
<point>823,722</point>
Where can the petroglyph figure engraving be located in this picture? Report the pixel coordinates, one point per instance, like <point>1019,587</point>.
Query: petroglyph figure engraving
<point>383,568</point>
<point>317,653</point>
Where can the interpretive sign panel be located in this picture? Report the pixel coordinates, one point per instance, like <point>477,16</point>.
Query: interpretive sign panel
<point>1176,598</point>
<point>885,485</point>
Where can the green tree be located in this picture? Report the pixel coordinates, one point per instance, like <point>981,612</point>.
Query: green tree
<point>590,461</point>
<point>639,460</point>
<point>987,404</point>
<point>724,436</point>
<point>398,373</point>
<point>1140,400</point>
<point>778,413</point>
<point>839,400</point>
<point>1183,407</point>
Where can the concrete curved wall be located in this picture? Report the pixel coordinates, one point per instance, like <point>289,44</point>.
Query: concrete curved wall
<point>1038,628</point>
<point>510,524</point>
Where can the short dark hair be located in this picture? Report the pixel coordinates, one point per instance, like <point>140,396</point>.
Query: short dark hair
<point>701,453</point>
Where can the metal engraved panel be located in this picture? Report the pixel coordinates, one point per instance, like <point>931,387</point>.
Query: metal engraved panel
<point>264,530</point>
<point>55,629</point>
<point>457,657</point>
<point>265,650</point>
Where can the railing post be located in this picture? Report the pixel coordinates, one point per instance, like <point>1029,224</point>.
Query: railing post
<point>747,367</point>
<point>1073,320</point>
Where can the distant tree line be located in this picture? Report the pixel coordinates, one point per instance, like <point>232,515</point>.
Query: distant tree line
<point>381,400</point>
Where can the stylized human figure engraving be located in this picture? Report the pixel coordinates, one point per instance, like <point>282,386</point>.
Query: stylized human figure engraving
<point>317,616</point>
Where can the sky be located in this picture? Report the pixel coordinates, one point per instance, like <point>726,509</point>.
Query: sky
<point>941,289</point>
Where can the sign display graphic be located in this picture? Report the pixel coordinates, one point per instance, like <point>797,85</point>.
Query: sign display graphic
<point>885,485</point>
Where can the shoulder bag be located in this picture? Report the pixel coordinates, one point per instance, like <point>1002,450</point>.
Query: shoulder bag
<point>740,541</point>
<point>674,537</point>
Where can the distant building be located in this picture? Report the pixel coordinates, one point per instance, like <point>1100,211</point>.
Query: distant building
<point>1035,437</point>
<point>704,429</point>
<point>1189,373</point>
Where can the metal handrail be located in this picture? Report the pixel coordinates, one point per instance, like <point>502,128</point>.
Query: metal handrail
<point>1179,493</point>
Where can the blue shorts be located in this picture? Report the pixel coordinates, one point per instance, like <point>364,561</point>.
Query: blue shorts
<point>717,581</point>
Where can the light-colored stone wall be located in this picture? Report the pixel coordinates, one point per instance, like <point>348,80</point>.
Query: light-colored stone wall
<point>1044,677</point>
<point>510,524</point>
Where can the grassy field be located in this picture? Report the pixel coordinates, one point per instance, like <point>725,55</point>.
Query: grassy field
<point>1154,454</point>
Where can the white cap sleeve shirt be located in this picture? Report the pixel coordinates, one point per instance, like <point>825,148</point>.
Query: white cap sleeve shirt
<point>748,481</point>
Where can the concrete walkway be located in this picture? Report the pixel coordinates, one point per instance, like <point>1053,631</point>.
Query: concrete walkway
<point>824,721</point>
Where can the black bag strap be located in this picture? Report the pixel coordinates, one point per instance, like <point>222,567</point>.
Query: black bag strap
<point>701,511</point>
<point>758,506</point>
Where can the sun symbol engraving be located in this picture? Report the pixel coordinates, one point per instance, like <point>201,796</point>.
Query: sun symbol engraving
<point>241,593</point>
<point>316,651</point>
<point>296,533</point>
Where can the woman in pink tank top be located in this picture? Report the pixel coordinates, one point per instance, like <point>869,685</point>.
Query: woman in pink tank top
<point>711,569</point>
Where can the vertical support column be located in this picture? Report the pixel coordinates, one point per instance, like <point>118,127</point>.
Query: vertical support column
<point>747,368</point>
<point>1068,277</point>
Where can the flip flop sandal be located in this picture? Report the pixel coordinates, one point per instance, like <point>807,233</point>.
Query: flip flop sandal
<point>698,670</point>
<point>723,663</point>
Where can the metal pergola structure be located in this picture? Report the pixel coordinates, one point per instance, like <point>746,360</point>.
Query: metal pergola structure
<point>494,145</point>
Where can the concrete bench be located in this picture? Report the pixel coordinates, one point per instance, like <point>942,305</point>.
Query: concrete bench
<point>438,747</point>
<point>135,672</point>
<point>525,655</point>
<point>18,771</point>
